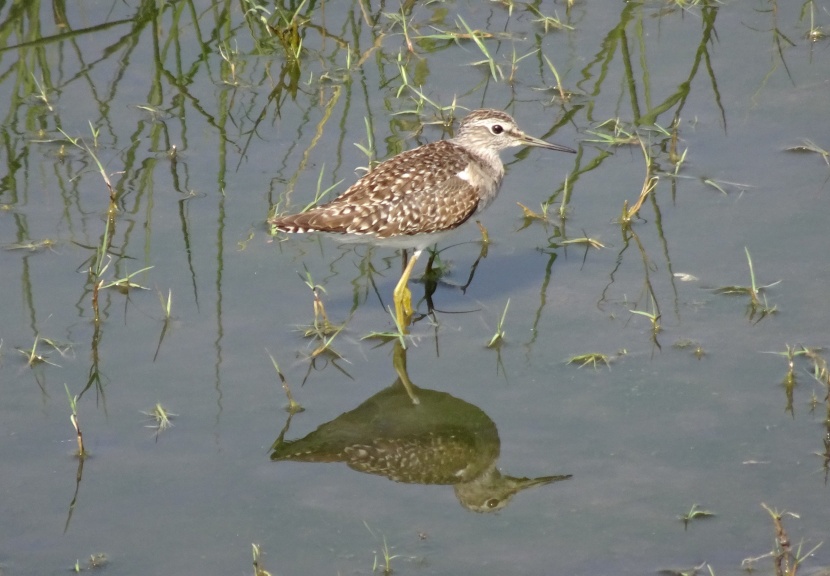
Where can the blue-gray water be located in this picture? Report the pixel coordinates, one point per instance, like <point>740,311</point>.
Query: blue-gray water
<point>645,440</point>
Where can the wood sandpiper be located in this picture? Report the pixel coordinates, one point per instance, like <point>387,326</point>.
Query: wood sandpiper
<point>416,198</point>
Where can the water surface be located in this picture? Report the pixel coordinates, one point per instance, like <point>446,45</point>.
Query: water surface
<point>693,414</point>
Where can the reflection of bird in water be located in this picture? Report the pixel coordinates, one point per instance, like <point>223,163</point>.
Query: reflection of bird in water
<point>439,440</point>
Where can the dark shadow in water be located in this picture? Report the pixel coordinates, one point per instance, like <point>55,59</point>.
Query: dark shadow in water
<point>417,436</point>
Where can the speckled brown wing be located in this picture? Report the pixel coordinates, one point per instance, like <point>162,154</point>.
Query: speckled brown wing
<point>416,192</point>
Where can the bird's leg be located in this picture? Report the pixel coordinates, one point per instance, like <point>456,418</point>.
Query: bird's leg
<point>402,296</point>
<point>399,363</point>
<point>431,283</point>
<point>485,238</point>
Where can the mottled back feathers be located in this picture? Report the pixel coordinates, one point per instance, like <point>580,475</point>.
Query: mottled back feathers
<point>416,192</point>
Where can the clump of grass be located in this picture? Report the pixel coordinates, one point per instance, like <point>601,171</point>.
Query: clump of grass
<point>758,305</point>
<point>42,93</point>
<point>399,19</point>
<point>400,333</point>
<point>125,283</point>
<point>94,562</point>
<point>387,560</point>
<point>814,32</point>
<point>693,571</point>
<point>231,57</point>
<point>476,36</point>
<point>166,307</point>
<point>498,338</point>
<point>321,329</point>
<point>653,316</point>
<point>674,157</point>
<point>694,513</point>
<point>613,132</point>
<point>293,406</point>
<point>564,95</point>
<point>321,321</point>
<point>716,185</point>
<point>790,353</point>
<point>406,84</point>
<point>33,246</point>
<point>548,22</point>
<point>320,193</point>
<point>34,358</point>
<point>529,216</point>
<point>258,570</point>
<point>514,64</point>
<point>819,372</point>
<point>649,184</point>
<point>73,405</point>
<point>81,145</point>
<point>593,359</point>
<point>785,559</point>
<point>384,565</point>
<point>102,258</point>
<point>810,146</point>
<point>695,347</point>
<point>820,369</point>
<point>587,241</point>
<point>446,112</point>
<point>566,196</point>
<point>242,245</point>
<point>161,419</point>
<point>370,150</point>
<point>288,30</point>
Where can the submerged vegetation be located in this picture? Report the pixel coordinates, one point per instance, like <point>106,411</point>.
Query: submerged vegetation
<point>145,143</point>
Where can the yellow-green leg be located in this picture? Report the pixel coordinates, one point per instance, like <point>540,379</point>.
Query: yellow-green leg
<point>402,296</point>
<point>399,362</point>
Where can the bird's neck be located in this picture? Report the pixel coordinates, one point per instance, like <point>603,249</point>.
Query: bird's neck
<point>485,172</point>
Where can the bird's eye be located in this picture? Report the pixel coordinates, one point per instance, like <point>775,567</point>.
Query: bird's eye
<point>496,129</point>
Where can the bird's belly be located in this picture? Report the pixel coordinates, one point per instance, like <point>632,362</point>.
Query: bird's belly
<point>397,241</point>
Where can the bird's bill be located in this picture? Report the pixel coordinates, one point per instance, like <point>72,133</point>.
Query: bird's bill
<point>531,141</point>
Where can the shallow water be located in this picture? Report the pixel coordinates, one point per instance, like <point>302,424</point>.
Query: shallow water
<point>660,430</point>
